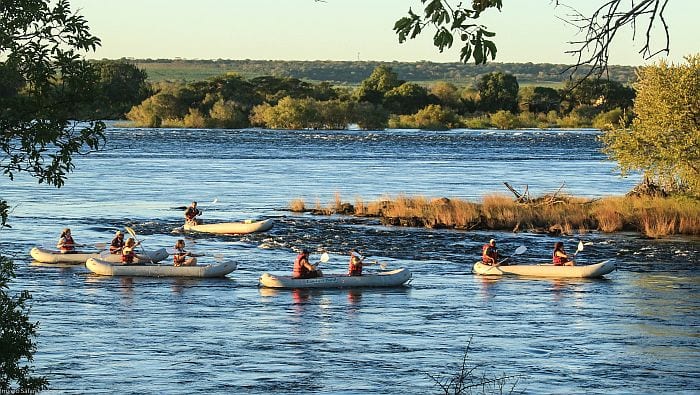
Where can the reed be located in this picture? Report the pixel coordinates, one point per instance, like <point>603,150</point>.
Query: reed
<point>360,208</point>
<point>337,202</point>
<point>654,217</point>
<point>297,205</point>
<point>609,214</point>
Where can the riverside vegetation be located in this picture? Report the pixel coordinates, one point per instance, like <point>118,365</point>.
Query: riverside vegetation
<point>652,216</point>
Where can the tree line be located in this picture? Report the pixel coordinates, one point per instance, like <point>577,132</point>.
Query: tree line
<point>381,100</point>
<point>354,72</point>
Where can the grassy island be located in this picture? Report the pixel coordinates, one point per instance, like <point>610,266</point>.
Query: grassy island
<point>652,216</point>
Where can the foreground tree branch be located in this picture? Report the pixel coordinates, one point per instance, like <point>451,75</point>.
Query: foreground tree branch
<point>601,28</point>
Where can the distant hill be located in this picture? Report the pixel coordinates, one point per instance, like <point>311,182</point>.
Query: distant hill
<point>353,72</point>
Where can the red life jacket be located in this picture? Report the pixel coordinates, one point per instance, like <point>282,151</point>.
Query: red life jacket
<point>68,244</point>
<point>128,255</point>
<point>355,267</point>
<point>299,270</point>
<point>558,260</point>
<point>490,251</point>
<point>179,257</point>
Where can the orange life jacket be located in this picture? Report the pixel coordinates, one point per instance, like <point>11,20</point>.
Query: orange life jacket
<point>128,255</point>
<point>68,244</point>
<point>299,269</point>
<point>355,267</point>
<point>490,251</point>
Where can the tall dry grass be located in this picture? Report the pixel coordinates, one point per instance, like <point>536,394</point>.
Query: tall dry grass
<point>654,217</point>
<point>297,205</point>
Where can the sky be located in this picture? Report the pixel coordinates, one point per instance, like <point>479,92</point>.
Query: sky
<point>526,30</point>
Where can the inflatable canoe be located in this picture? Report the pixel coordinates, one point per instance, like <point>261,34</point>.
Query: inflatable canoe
<point>381,279</point>
<point>547,270</point>
<point>45,255</point>
<point>231,227</point>
<point>105,268</point>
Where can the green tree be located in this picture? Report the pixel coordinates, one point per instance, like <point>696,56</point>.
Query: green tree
<point>228,114</point>
<point>382,80</point>
<point>602,94</point>
<point>406,98</point>
<point>447,94</point>
<point>16,337</point>
<point>504,120</point>
<point>44,84</point>
<point>369,116</point>
<point>121,86</point>
<point>435,117</point>
<point>538,99</point>
<point>498,91</point>
<point>664,140</point>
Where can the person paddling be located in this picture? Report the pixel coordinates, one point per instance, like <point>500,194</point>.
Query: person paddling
<point>66,243</point>
<point>191,214</point>
<point>560,257</point>
<point>180,257</point>
<point>303,268</point>
<point>117,243</point>
<point>128,253</point>
<point>489,253</point>
<point>355,266</point>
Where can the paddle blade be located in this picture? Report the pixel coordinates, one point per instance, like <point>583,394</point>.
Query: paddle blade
<point>325,257</point>
<point>580,246</point>
<point>216,200</point>
<point>130,231</point>
<point>520,250</point>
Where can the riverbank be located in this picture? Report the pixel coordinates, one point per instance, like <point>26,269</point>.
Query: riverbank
<point>653,217</point>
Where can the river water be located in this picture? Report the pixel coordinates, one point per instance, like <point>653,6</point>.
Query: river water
<point>634,332</point>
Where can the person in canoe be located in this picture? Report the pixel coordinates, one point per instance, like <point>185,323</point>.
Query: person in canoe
<point>128,253</point>
<point>489,253</point>
<point>66,244</point>
<point>191,214</point>
<point>355,266</point>
<point>560,257</point>
<point>115,247</point>
<point>303,268</point>
<point>182,257</point>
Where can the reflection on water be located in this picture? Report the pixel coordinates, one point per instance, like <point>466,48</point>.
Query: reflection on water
<point>635,332</point>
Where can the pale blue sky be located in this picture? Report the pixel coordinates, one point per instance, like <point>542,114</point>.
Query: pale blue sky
<point>527,30</point>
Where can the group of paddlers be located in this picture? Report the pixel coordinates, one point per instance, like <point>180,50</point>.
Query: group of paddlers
<point>181,257</point>
<point>491,256</point>
<point>302,267</point>
<point>305,269</point>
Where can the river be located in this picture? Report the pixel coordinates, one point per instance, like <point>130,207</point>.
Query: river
<point>636,331</point>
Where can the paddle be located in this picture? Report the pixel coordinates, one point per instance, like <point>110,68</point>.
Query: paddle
<point>99,246</point>
<point>579,248</point>
<point>324,258</point>
<point>362,257</point>
<point>382,265</point>
<point>133,234</point>
<point>517,251</point>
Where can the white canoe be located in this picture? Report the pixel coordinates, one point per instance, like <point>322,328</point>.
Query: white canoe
<point>105,268</point>
<point>391,278</point>
<point>45,255</point>
<point>547,270</point>
<point>231,227</point>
